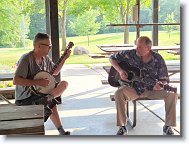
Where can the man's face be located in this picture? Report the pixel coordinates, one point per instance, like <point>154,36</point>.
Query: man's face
<point>44,46</point>
<point>142,49</point>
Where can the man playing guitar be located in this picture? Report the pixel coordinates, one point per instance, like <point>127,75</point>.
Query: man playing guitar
<point>28,66</point>
<point>154,74</point>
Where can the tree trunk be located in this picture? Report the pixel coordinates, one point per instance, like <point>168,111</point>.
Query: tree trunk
<point>126,29</point>
<point>88,39</point>
<point>64,28</point>
<point>126,35</point>
<point>125,19</point>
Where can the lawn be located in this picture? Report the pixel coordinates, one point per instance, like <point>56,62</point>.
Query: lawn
<point>9,56</point>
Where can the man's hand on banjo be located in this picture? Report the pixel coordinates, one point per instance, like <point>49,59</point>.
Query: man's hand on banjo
<point>43,82</point>
<point>67,54</point>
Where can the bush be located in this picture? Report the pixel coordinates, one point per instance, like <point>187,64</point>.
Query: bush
<point>2,85</point>
<point>10,84</point>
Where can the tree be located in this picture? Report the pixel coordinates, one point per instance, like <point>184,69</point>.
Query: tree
<point>10,23</point>
<point>63,6</point>
<point>113,11</point>
<point>86,24</point>
<point>37,24</point>
<point>169,19</point>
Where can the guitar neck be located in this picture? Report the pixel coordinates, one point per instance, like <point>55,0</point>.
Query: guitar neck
<point>169,88</point>
<point>56,65</point>
<point>70,45</point>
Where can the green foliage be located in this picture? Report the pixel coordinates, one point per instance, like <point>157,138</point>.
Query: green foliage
<point>168,7</point>
<point>86,24</point>
<point>5,84</point>
<point>10,84</point>
<point>2,85</point>
<point>169,19</point>
<point>10,23</point>
<point>37,24</point>
<point>9,56</point>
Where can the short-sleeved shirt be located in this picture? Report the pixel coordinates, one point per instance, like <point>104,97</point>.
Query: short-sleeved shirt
<point>152,71</point>
<point>28,68</point>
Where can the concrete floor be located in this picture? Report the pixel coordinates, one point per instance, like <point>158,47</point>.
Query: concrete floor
<point>87,109</point>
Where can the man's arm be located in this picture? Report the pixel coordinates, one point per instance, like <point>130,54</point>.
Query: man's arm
<point>17,80</point>
<point>59,67</point>
<point>123,74</point>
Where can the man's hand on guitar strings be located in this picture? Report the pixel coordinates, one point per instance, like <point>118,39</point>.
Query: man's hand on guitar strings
<point>123,74</point>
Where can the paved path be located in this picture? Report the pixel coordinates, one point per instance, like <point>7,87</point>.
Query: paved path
<point>87,109</point>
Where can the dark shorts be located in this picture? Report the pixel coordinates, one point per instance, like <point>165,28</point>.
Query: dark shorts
<point>40,100</point>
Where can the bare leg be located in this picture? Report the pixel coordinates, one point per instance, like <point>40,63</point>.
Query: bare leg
<point>55,117</point>
<point>61,87</point>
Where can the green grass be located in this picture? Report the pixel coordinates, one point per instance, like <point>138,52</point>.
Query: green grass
<point>9,56</point>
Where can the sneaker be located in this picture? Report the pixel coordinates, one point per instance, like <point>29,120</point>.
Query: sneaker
<point>67,133</point>
<point>122,131</point>
<point>168,130</point>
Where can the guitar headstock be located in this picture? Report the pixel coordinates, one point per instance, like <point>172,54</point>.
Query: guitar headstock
<point>170,88</point>
<point>70,45</point>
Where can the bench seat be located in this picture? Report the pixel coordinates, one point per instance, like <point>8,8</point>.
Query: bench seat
<point>8,92</point>
<point>21,120</point>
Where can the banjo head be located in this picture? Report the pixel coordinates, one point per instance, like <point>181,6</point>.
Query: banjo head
<point>47,89</point>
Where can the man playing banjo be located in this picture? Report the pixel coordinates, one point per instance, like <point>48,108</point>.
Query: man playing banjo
<point>28,66</point>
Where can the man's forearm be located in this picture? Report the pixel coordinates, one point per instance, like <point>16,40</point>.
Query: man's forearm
<point>24,82</point>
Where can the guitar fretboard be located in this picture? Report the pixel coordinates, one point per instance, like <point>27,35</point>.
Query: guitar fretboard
<point>70,45</point>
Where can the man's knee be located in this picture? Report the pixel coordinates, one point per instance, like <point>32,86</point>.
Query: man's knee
<point>63,84</point>
<point>118,94</point>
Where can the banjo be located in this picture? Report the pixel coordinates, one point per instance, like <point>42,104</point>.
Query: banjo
<point>36,89</point>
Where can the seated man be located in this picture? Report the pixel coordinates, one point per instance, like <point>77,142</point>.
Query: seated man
<point>154,74</point>
<point>28,66</point>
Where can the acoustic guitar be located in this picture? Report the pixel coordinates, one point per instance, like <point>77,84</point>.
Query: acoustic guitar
<point>134,75</point>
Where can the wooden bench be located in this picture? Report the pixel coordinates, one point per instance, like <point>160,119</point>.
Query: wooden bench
<point>21,120</point>
<point>132,121</point>
<point>8,92</point>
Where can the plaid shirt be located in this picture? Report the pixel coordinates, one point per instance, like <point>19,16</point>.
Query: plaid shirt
<point>153,71</point>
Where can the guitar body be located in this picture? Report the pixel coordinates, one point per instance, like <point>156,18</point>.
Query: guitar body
<point>44,90</point>
<point>134,73</point>
<point>134,76</point>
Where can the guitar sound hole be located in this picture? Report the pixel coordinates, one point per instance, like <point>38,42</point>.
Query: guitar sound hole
<point>130,76</point>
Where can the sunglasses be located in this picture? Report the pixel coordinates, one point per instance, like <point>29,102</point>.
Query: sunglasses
<point>50,46</point>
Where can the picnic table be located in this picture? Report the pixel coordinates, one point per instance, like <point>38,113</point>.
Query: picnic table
<point>8,92</point>
<point>109,49</point>
<point>6,76</point>
<point>121,47</point>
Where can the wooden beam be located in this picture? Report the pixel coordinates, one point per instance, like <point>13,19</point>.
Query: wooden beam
<point>138,22</point>
<point>54,32</point>
<point>155,20</point>
<point>48,30</point>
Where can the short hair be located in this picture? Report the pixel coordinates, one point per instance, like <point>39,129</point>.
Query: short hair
<point>40,36</point>
<point>146,40</point>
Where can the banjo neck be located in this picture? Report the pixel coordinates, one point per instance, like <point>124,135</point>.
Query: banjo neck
<point>70,45</point>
